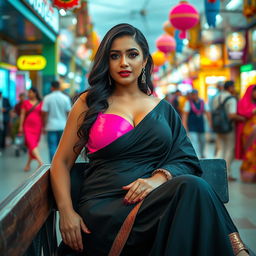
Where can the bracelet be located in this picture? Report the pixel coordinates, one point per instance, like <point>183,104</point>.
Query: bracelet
<point>163,171</point>
<point>237,243</point>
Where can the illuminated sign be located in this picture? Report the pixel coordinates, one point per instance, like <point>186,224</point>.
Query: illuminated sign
<point>31,62</point>
<point>46,11</point>
<point>247,67</point>
<point>236,45</point>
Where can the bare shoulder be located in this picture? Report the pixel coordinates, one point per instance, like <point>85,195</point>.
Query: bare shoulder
<point>79,108</point>
<point>156,100</point>
<point>83,96</point>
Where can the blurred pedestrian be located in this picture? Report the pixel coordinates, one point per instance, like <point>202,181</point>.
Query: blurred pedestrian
<point>246,135</point>
<point>194,122</point>
<point>16,115</point>
<point>173,99</point>
<point>5,108</point>
<point>31,124</point>
<point>56,107</point>
<point>226,141</point>
<point>18,106</point>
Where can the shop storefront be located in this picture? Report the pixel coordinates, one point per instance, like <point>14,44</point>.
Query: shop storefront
<point>28,28</point>
<point>212,70</point>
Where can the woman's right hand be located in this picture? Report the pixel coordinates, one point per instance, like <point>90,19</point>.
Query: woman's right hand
<point>71,225</point>
<point>20,130</point>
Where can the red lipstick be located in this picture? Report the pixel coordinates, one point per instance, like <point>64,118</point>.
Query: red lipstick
<point>124,73</point>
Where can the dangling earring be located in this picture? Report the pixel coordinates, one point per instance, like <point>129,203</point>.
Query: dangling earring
<point>143,78</point>
<point>109,80</point>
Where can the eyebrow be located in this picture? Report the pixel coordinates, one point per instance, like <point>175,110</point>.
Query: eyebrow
<point>129,50</point>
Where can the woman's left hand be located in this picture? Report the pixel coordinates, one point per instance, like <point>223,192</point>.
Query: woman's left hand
<point>140,188</point>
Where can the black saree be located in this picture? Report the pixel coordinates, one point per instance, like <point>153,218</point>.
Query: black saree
<point>183,216</point>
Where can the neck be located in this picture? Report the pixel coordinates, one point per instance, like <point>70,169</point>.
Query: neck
<point>129,91</point>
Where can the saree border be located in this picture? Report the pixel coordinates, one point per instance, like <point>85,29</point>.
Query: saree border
<point>124,232</point>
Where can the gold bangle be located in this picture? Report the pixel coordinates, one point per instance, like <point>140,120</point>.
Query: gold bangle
<point>237,243</point>
<point>163,171</point>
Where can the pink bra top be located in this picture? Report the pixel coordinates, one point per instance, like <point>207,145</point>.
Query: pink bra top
<point>106,129</point>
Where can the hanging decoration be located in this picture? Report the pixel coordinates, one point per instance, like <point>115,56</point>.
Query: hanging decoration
<point>212,9</point>
<point>158,58</point>
<point>195,37</point>
<point>183,17</point>
<point>211,1</point>
<point>168,28</point>
<point>166,44</point>
<point>83,25</point>
<point>249,9</point>
<point>66,4</point>
<point>179,42</point>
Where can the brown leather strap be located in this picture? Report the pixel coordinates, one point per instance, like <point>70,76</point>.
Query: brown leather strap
<point>124,232</point>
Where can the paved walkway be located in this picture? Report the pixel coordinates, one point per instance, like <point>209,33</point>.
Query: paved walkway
<point>242,204</point>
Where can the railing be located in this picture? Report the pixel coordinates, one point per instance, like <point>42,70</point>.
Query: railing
<point>27,218</point>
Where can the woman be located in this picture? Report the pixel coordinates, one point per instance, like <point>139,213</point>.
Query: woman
<point>246,135</point>
<point>140,194</point>
<point>31,124</point>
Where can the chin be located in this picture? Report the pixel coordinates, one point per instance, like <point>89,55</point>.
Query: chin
<point>125,82</point>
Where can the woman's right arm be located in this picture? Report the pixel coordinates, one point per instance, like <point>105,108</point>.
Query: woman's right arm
<point>70,222</point>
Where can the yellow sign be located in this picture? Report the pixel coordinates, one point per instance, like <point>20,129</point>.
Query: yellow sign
<point>31,62</point>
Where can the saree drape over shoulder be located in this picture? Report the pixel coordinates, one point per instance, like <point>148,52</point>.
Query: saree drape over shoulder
<point>183,216</point>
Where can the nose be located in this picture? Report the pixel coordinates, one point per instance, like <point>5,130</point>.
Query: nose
<point>123,62</point>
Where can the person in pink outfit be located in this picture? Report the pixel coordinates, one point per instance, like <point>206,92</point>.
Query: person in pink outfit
<point>31,124</point>
<point>246,135</point>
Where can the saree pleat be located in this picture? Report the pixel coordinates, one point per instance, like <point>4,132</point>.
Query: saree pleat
<point>180,217</point>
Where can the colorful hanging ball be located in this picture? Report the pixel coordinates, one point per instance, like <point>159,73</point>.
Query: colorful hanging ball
<point>166,44</point>
<point>183,17</point>
<point>158,58</point>
<point>66,4</point>
<point>168,28</point>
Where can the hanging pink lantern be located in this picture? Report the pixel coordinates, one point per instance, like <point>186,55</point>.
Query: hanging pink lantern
<point>183,17</point>
<point>166,44</point>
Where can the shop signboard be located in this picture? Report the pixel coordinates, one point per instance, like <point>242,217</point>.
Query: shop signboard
<point>31,62</point>
<point>235,43</point>
<point>45,10</point>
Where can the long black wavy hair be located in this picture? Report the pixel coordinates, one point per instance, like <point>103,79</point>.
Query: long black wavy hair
<point>99,78</point>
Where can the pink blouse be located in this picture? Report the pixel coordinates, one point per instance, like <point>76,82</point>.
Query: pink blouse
<point>106,129</point>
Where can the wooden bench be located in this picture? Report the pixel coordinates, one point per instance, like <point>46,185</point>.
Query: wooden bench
<point>28,215</point>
